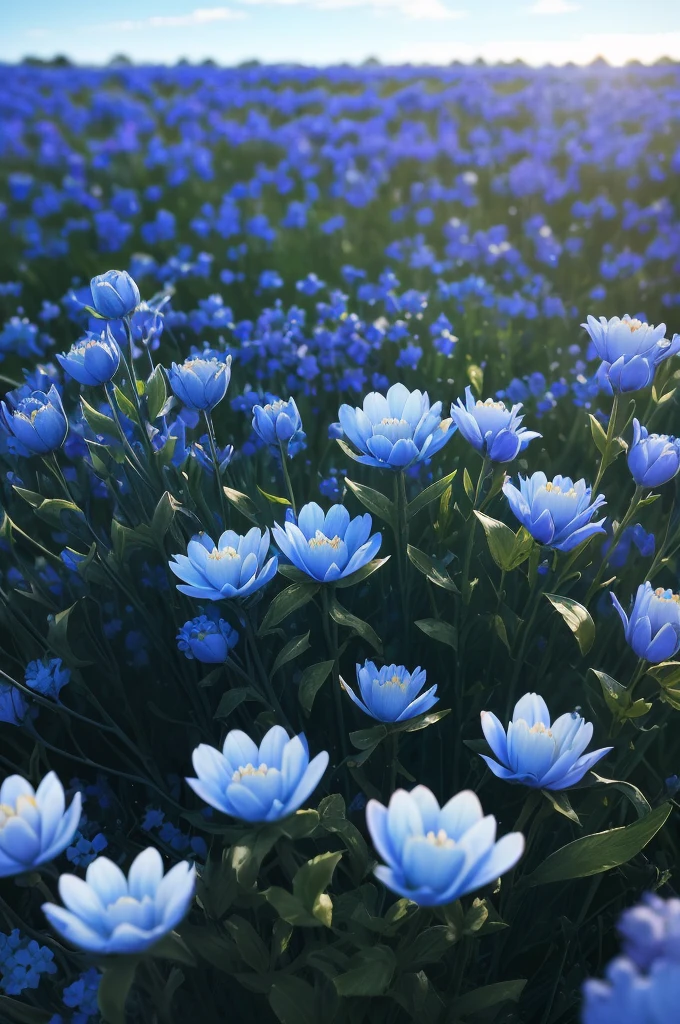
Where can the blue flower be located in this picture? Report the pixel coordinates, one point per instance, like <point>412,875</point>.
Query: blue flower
<point>630,350</point>
<point>114,294</point>
<point>435,855</point>
<point>632,535</point>
<point>556,513</point>
<point>330,547</point>
<point>234,567</point>
<point>13,705</point>
<point>391,693</point>
<point>279,423</point>
<point>653,629</point>
<point>265,783</point>
<point>397,430</point>
<point>534,752</point>
<point>109,913</point>
<point>38,422</point>
<point>200,384</point>
<point>207,640</point>
<point>651,930</point>
<point>22,962</point>
<point>92,360</point>
<point>34,827</point>
<point>47,677</point>
<point>653,459</point>
<point>491,428</point>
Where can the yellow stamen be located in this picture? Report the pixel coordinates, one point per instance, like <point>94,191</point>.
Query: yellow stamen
<point>218,553</point>
<point>320,540</point>
<point>393,421</point>
<point>249,769</point>
<point>440,839</point>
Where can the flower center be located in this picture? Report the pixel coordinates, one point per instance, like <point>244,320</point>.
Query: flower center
<point>490,404</point>
<point>249,769</point>
<point>394,680</point>
<point>320,540</point>
<point>219,553</point>
<point>539,727</point>
<point>7,811</point>
<point>275,406</point>
<point>393,421</point>
<point>441,839</point>
<point>551,487</point>
<point>666,595</point>
<point>635,325</point>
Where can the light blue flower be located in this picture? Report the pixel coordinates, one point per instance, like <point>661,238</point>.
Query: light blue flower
<point>234,567</point>
<point>200,384</point>
<point>328,547</point>
<point>491,428</point>
<point>390,694</point>
<point>280,423</point>
<point>397,430</point>
<point>653,459</point>
<point>207,639</point>
<point>556,513</point>
<point>38,421</point>
<point>535,753</point>
<point>109,913</point>
<point>653,629</point>
<point>114,294</point>
<point>435,855</point>
<point>651,930</point>
<point>34,825</point>
<point>630,350</point>
<point>93,359</point>
<point>265,783</point>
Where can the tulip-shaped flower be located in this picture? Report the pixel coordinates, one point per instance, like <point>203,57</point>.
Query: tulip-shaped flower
<point>38,422</point>
<point>200,384</point>
<point>93,360</point>
<point>234,567</point>
<point>265,783</point>
<point>653,628</point>
<point>330,547</point>
<point>207,639</point>
<point>280,423</point>
<point>630,350</point>
<point>109,913</point>
<point>114,294</point>
<point>556,513</point>
<point>390,694</point>
<point>653,459</point>
<point>397,430</point>
<point>491,428</point>
<point>34,825</point>
<point>535,753</point>
<point>435,855</point>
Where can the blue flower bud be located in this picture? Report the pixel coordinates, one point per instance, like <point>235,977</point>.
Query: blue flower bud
<point>114,294</point>
<point>653,628</point>
<point>630,350</point>
<point>653,459</point>
<point>38,421</point>
<point>279,423</point>
<point>93,360</point>
<point>200,384</point>
<point>391,693</point>
<point>491,428</point>
<point>207,640</point>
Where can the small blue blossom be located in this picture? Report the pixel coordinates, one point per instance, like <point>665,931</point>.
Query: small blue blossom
<point>234,567</point>
<point>47,677</point>
<point>38,421</point>
<point>630,350</point>
<point>279,423</point>
<point>556,513</point>
<point>653,628</point>
<point>390,694</point>
<point>200,384</point>
<point>491,428</point>
<point>22,962</point>
<point>328,547</point>
<point>93,360</point>
<point>13,705</point>
<point>207,640</point>
<point>653,459</point>
<point>114,294</point>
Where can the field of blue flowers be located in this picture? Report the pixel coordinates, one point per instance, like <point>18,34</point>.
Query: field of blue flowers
<point>339,545</point>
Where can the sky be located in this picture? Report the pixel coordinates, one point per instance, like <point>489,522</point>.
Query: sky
<point>335,31</point>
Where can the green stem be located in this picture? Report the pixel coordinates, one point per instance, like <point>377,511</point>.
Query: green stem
<point>266,682</point>
<point>467,561</point>
<point>216,463</point>
<point>330,628</point>
<point>394,759</point>
<point>132,455</point>
<point>611,433</point>
<point>401,539</point>
<point>286,476</point>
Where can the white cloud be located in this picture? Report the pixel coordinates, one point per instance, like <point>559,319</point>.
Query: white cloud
<point>554,7</point>
<point>199,16</point>
<point>419,10</point>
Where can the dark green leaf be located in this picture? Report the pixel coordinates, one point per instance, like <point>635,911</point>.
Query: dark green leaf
<point>375,501</point>
<point>232,698</point>
<point>163,515</point>
<point>636,797</point>
<point>243,503</point>
<point>349,621</point>
<point>598,434</point>
<point>429,946</point>
<point>431,568</point>
<point>102,425</point>
<point>249,944</point>
<point>293,649</point>
<point>287,602</point>
<point>560,803</point>
<point>114,987</point>
<point>438,630</point>
<point>577,618</point>
<point>124,404</point>
<point>156,393</point>
<point>312,880</point>
<point>431,493</point>
<point>370,973</point>
<point>361,574</point>
<point>507,549</point>
<point>292,910</point>
<point>52,511</point>
<point>618,699</point>
<point>488,996</point>
<point>313,678</point>
<point>14,1012</point>
<point>468,485</point>
<point>292,1000</point>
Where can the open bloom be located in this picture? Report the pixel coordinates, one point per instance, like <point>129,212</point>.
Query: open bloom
<point>38,421</point>
<point>630,350</point>
<point>390,694</point>
<point>328,547</point>
<point>92,360</point>
<point>653,459</point>
<point>34,825</point>
<point>206,639</point>
<point>556,513</point>
<point>491,427</point>
<point>435,855</point>
<point>280,423</point>
<point>535,753</point>
<point>234,567</point>
<point>200,384</point>
<point>397,430</point>
<point>109,913</point>
<point>653,629</point>
<point>114,294</point>
<point>264,783</point>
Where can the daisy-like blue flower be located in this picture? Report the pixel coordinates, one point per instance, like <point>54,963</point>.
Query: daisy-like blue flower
<point>234,567</point>
<point>491,428</point>
<point>328,547</point>
<point>653,628</point>
<point>556,513</point>
<point>265,783</point>
<point>390,694</point>
<point>35,827</point>
<point>535,753</point>
<point>396,430</point>
<point>630,350</point>
<point>435,855</point>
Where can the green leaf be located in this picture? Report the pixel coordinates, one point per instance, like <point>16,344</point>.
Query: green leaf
<point>577,618</point>
<point>292,910</point>
<point>507,549</point>
<point>243,503</point>
<point>249,944</point>
<point>618,699</point>
<point>34,499</point>
<point>636,797</point>
<point>600,852</point>
<point>274,498</point>
<point>666,674</point>
<point>468,485</point>
<point>58,639</point>
<point>233,698</point>
<point>313,678</point>
<point>53,509</point>
<point>114,987</point>
<point>163,515</point>
<point>476,377</point>
<point>560,803</point>
<point>488,996</point>
<point>429,946</point>
<point>102,425</point>
<point>361,574</point>
<point>431,568</point>
<point>287,602</point>
<point>431,493</point>
<point>375,501</point>
<point>438,630</point>
<point>14,1012</point>
<point>345,618</point>
<point>292,1000</point>
<point>156,393</point>
<point>598,434</point>
<point>293,649</point>
<point>370,973</point>
<point>124,404</point>
<point>311,881</point>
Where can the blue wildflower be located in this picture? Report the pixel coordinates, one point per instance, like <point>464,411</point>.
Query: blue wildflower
<point>207,640</point>
<point>47,677</point>
<point>13,705</point>
<point>391,693</point>
<point>653,628</point>
<point>653,459</point>
<point>234,567</point>
<point>93,360</point>
<point>279,423</point>
<point>34,827</point>
<point>200,384</point>
<point>556,513</point>
<point>630,350</point>
<point>114,294</point>
<point>328,547</point>
<point>38,422</point>
<point>491,428</point>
